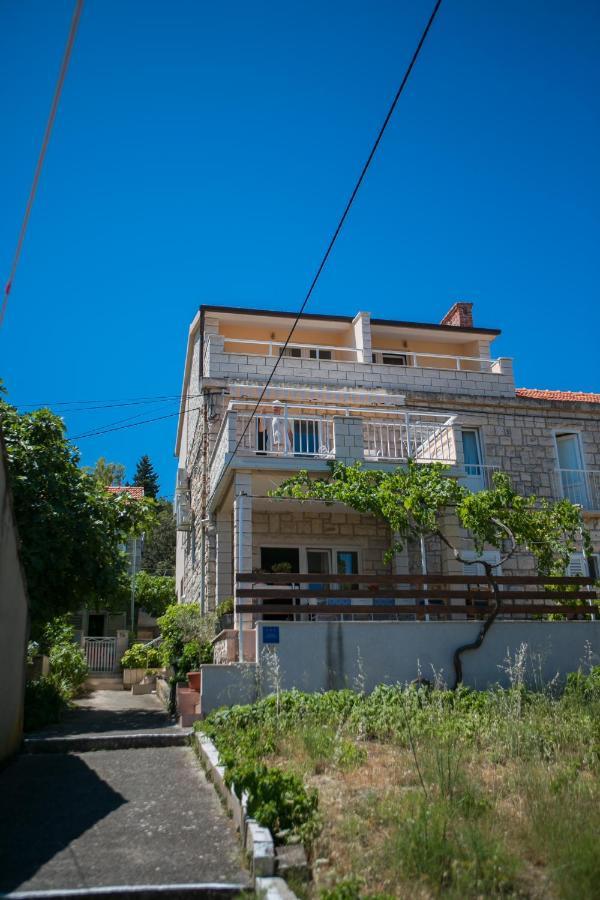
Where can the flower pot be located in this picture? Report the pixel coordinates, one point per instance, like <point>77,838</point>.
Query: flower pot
<point>194,680</point>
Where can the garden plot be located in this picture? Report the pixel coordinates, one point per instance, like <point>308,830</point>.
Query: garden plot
<point>426,792</point>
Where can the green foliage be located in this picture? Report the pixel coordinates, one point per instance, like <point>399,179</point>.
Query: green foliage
<point>160,541</point>
<point>194,655</point>
<point>68,668</point>
<point>225,608</point>
<point>411,499</point>
<point>47,697</point>
<point>183,624</point>
<point>70,527</point>
<point>106,473</point>
<point>154,593</point>
<point>140,656</point>
<point>276,799</point>
<point>146,477</point>
<point>44,704</point>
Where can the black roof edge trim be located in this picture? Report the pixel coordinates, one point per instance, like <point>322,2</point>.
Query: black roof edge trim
<point>244,310</point>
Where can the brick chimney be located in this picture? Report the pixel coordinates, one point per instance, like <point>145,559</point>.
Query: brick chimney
<point>460,315</point>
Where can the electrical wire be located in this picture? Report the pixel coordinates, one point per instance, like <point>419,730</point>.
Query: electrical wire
<point>337,231</point>
<point>40,162</point>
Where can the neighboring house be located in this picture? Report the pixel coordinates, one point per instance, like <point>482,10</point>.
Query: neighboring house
<point>355,388</point>
<point>100,631</point>
<point>14,621</point>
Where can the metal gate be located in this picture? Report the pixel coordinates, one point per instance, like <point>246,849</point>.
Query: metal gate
<point>101,653</point>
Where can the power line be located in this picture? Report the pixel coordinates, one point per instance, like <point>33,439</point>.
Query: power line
<point>337,231</point>
<point>46,140</point>
<point>78,437</point>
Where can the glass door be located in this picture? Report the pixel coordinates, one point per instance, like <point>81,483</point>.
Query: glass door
<point>474,474</point>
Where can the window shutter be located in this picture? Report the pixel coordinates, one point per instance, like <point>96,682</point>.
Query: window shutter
<point>577,566</point>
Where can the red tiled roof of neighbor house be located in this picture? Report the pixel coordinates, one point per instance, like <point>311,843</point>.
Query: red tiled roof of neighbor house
<point>136,493</point>
<point>568,396</point>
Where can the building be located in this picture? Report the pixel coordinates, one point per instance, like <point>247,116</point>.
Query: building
<point>354,388</point>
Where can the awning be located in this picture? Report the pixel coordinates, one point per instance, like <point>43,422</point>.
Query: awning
<point>312,394</point>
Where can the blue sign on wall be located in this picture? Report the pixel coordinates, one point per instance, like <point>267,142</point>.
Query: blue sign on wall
<point>270,634</point>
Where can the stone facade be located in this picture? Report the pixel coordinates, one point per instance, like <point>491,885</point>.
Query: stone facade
<point>230,473</point>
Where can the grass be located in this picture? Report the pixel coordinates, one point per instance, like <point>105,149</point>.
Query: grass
<point>422,793</point>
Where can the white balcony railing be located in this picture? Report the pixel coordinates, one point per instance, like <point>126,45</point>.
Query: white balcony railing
<point>282,434</point>
<point>396,358</point>
<point>423,437</point>
<point>581,486</point>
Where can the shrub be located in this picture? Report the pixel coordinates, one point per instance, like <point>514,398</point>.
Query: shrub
<point>194,655</point>
<point>68,668</point>
<point>44,703</point>
<point>225,608</point>
<point>182,624</point>
<point>140,656</point>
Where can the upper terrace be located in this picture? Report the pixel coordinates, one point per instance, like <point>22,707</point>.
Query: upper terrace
<point>353,352</point>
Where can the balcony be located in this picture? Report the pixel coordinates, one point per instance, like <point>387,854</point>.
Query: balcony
<point>348,366</point>
<point>291,433</point>
<point>580,486</point>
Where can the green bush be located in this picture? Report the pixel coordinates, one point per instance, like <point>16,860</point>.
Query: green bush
<point>68,668</point>
<point>140,656</point>
<point>225,608</point>
<point>277,799</point>
<point>44,703</point>
<point>181,625</point>
<point>194,655</point>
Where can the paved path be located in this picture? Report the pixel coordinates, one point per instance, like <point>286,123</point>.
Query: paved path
<point>113,817</point>
<point>113,712</point>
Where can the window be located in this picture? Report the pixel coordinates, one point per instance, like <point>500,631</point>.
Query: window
<point>472,455</point>
<point>580,567</point>
<point>391,359</point>
<point>570,464</point>
<point>296,352</point>
<point>318,353</point>
<point>306,436</point>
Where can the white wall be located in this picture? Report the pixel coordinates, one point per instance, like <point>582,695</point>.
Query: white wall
<point>320,656</point>
<point>13,624</point>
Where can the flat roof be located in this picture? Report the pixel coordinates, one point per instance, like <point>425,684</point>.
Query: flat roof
<point>244,310</point>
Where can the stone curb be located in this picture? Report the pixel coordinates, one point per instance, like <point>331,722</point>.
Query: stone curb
<point>256,840</point>
<point>84,743</point>
<point>273,889</point>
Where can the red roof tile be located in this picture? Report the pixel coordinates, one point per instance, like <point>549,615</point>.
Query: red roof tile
<point>568,396</point>
<point>136,493</point>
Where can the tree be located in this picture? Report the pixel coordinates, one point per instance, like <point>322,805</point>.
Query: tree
<point>146,477</point>
<point>412,502</point>
<point>160,541</point>
<point>153,593</point>
<point>107,473</point>
<point>71,529</point>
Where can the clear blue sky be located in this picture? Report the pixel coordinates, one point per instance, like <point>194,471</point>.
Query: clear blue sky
<point>203,153</point>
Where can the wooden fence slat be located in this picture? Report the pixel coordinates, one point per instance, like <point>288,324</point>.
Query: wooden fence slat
<point>350,593</point>
<point>303,578</point>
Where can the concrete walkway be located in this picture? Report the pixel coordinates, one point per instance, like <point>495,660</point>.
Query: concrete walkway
<point>113,712</point>
<point>114,817</point>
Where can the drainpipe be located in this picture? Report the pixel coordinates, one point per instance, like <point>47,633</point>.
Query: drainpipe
<point>424,569</point>
<point>203,569</point>
<point>240,499</point>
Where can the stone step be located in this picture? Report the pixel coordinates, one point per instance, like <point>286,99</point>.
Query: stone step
<point>104,682</point>
<point>209,891</point>
<point>82,743</point>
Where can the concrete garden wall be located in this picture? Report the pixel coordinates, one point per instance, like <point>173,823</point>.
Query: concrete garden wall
<point>320,656</point>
